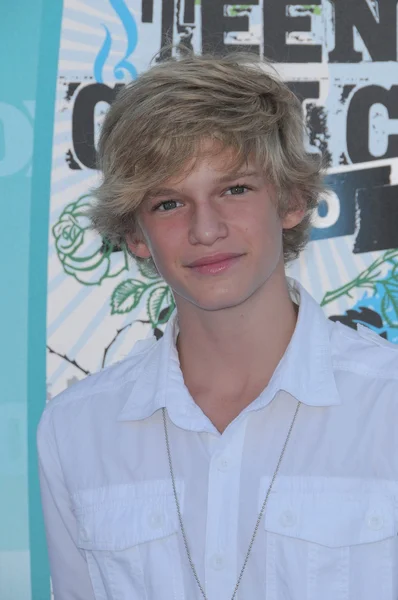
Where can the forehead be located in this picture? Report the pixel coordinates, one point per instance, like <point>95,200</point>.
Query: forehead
<point>216,161</point>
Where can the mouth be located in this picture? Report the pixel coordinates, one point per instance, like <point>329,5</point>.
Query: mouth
<point>215,265</point>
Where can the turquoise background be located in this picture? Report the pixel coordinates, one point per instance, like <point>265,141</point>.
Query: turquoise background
<point>29,51</point>
<point>29,45</point>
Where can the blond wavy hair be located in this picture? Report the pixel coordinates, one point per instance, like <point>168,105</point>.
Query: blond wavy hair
<point>157,122</point>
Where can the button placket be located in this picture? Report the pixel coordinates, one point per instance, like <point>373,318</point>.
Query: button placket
<point>223,512</point>
<point>223,464</point>
<point>84,534</point>
<point>217,562</point>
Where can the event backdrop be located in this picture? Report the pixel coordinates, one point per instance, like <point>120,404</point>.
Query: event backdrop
<point>339,57</point>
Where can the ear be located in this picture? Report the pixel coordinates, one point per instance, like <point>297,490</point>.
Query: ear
<point>137,245</point>
<point>294,216</point>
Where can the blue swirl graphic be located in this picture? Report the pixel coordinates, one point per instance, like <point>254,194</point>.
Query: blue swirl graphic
<point>102,56</point>
<point>130,28</point>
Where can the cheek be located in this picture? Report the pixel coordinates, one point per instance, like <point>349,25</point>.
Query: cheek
<point>262,229</point>
<point>164,242</point>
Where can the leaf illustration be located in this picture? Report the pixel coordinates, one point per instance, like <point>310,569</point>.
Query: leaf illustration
<point>369,278</point>
<point>391,255</point>
<point>126,296</point>
<point>146,270</point>
<point>156,300</point>
<point>389,304</point>
<point>165,314</point>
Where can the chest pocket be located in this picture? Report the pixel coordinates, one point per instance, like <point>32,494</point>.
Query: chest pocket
<point>128,535</point>
<point>331,545</point>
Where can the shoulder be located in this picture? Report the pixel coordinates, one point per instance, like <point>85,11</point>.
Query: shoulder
<point>364,352</point>
<point>106,389</point>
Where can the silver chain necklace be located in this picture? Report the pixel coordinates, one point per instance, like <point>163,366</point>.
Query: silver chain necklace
<point>259,516</point>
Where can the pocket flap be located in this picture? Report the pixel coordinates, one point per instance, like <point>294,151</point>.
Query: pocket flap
<point>331,519</point>
<point>118,517</point>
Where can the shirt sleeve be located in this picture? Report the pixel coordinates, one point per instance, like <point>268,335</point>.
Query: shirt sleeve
<point>68,567</point>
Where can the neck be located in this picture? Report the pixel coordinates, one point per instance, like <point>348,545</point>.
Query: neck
<point>233,353</point>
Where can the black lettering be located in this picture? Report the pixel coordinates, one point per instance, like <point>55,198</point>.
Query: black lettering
<point>166,38</point>
<point>317,124</point>
<point>379,36</point>
<point>378,218</point>
<point>277,23</point>
<point>358,122</point>
<point>189,11</point>
<point>83,125</point>
<point>215,24</point>
<point>304,89</point>
<point>167,26</point>
<point>345,186</point>
<point>147,11</point>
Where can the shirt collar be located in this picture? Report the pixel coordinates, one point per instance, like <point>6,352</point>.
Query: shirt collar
<point>305,371</point>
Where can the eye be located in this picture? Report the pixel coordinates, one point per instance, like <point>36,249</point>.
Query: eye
<point>237,190</point>
<point>165,206</point>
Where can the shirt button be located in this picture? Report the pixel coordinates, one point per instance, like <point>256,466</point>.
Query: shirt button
<point>156,520</point>
<point>287,518</point>
<point>84,535</point>
<point>375,521</point>
<point>217,562</point>
<point>223,464</point>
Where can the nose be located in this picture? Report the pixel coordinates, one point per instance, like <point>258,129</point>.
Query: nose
<point>207,225</point>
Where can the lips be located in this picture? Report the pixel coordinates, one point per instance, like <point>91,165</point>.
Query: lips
<point>215,258</point>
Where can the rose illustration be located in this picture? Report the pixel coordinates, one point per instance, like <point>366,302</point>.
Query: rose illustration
<point>84,254</point>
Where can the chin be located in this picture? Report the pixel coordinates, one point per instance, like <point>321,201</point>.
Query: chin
<point>216,301</point>
<point>213,295</point>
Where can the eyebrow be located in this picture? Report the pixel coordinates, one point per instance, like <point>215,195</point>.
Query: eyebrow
<point>223,179</point>
<point>231,176</point>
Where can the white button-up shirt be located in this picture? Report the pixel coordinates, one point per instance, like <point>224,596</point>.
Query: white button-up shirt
<point>330,527</point>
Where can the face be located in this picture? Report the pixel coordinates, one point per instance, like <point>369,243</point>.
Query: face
<point>211,212</point>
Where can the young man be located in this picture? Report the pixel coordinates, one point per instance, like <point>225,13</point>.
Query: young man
<point>251,452</point>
